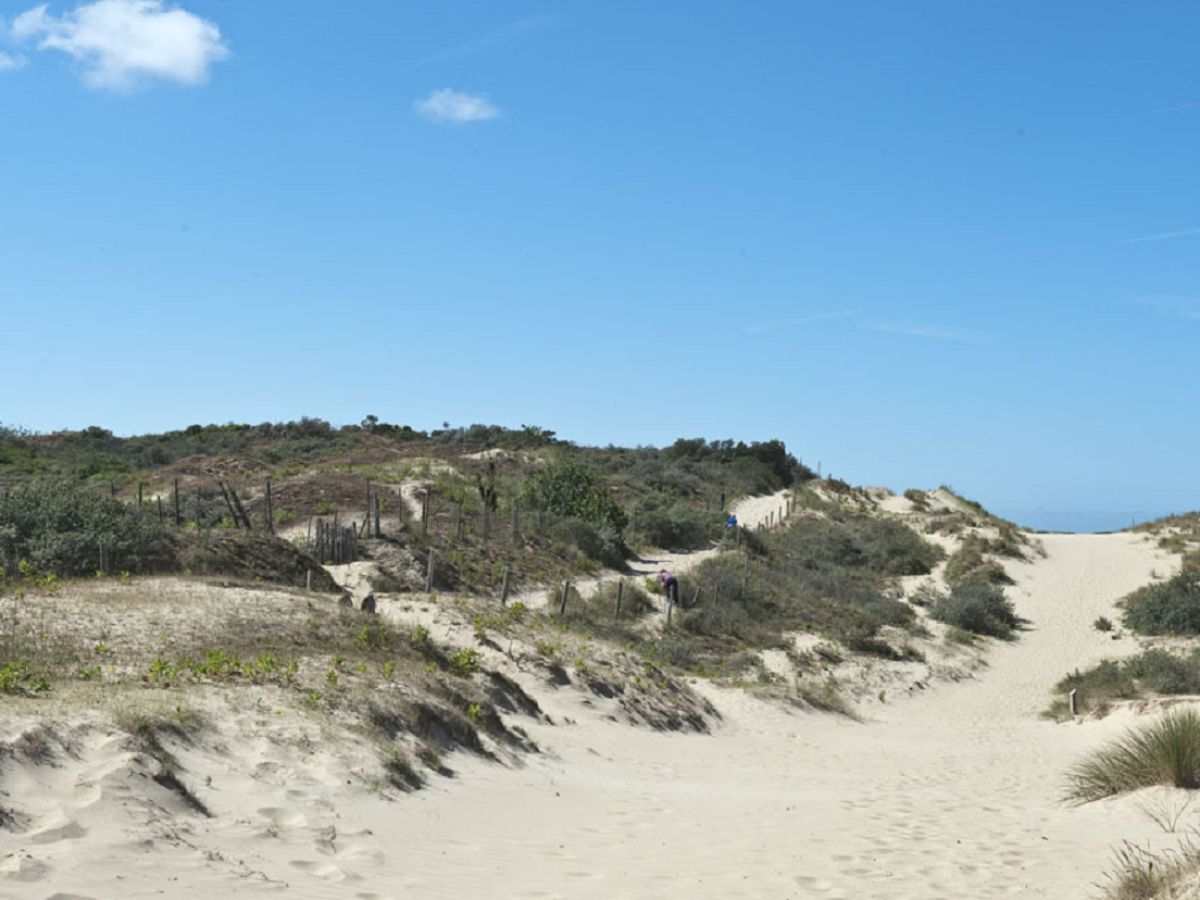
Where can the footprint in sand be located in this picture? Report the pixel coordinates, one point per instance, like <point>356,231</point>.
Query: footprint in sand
<point>814,884</point>
<point>69,832</point>
<point>283,818</point>
<point>22,867</point>
<point>324,871</point>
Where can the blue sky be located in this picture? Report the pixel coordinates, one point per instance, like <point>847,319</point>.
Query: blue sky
<point>921,242</point>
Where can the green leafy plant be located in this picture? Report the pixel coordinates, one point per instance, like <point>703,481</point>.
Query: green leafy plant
<point>464,661</point>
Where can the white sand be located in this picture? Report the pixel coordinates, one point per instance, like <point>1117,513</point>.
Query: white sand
<point>950,793</point>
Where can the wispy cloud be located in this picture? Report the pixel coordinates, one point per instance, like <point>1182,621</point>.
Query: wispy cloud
<point>935,332</point>
<point>763,327</point>
<point>497,37</point>
<point>1178,107</point>
<point>455,107</point>
<point>8,62</point>
<point>1180,307</point>
<point>122,44</point>
<point>1164,236</point>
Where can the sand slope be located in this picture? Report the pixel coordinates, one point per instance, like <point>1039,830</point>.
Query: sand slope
<point>949,793</point>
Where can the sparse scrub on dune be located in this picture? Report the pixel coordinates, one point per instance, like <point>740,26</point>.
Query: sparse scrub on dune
<point>674,526</point>
<point>1154,671</point>
<point>820,576</point>
<point>1139,874</point>
<point>824,695</point>
<point>978,607</point>
<point>971,563</point>
<point>1169,607</point>
<point>1165,751</point>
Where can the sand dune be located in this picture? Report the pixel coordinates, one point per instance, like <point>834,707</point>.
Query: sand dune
<point>949,792</point>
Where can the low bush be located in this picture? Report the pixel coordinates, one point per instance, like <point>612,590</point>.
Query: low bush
<point>599,544</point>
<point>892,548</point>
<point>1166,751</point>
<point>970,563</point>
<point>58,527</point>
<point>978,607</point>
<point>677,527</point>
<point>1154,671</point>
<point>1169,607</point>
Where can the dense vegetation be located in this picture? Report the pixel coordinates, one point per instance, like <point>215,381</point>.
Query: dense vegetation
<point>56,527</point>
<point>1170,607</point>
<point>828,577</point>
<point>979,607</point>
<point>1152,672</point>
<point>571,507</point>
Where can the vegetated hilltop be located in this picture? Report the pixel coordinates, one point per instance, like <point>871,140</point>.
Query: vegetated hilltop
<point>517,498</point>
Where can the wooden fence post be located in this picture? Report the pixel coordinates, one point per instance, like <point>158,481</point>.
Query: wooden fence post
<point>566,591</point>
<point>237,503</point>
<point>620,594</point>
<point>229,504</point>
<point>378,527</point>
<point>504,587</point>
<point>308,579</point>
<point>178,520</point>
<point>1071,700</point>
<point>270,523</point>
<point>429,573</point>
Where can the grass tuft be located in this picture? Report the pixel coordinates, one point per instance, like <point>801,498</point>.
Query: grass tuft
<point>1166,751</point>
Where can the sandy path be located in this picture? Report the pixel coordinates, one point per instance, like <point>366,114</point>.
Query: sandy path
<point>950,794</point>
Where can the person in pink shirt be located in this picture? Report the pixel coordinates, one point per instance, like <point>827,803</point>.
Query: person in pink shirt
<point>670,585</point>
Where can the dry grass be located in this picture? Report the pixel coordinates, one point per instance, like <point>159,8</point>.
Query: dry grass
<point>1165,751</point>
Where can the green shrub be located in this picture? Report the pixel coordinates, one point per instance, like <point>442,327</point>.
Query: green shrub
<point>1154,671</point>
<point>58,527</point>
<point>978,607</point>
<point>1102,624</point>
<point>678,526</point>
<point>567,487</point>
<point>892,548</point>
<point>603,545</point>
<point>1169,607</point>
<point>1167,751</point>
<point>970,563</point>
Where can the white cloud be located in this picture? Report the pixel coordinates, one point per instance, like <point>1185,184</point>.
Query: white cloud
<point>498,37</point>
<point>1171,305</point>
<point>9,62</point>
<point>763,327</point>
<point>449,105</point>
<point>926,331</point>
<point>1178,107</point>
<point>123,43</point>
<point>1164,236</point>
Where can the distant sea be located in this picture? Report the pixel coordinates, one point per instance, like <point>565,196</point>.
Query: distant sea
<point>1082,521</point>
